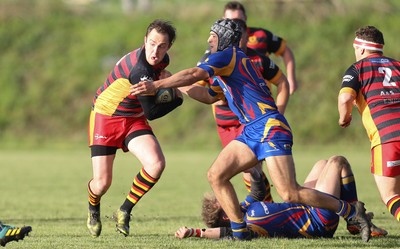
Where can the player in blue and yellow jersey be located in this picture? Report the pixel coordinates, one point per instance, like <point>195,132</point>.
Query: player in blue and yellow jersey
<point>258,41</point>
<point>289,220</point>
<point>119,121</point>
<point>228,125</point>
<point>265,136</point>
<point>373,84</point>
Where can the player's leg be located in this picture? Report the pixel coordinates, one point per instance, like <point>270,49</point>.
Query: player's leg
<point>330,176</point>
<point>103,149</point>
<point>247,177</point>
<point>148,151</point>
<point>313,175</point>
<point>233,159</point>
<point>336,178</point>
<point>282,172</point>
<point>389,189</point>
<point>386,170</point>
<point>97,187</point>
<point>226,135</point>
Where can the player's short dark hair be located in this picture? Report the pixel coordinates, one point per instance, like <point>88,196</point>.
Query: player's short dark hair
<point>235,5</point>
<point>242,24</point>
<point>163,27</point>
<point>371,34</point>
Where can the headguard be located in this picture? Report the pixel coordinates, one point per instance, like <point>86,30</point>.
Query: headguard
<point>228,31</point>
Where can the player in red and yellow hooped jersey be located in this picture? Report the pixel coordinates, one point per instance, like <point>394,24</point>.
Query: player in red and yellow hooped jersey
<point>266,134</point>
<point>118,120</point>
<point>373,83</point>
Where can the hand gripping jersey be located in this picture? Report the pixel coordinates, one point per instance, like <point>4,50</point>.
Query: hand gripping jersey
<point>375,83</point>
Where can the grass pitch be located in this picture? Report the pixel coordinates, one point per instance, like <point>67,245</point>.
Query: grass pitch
<point>47,190</point>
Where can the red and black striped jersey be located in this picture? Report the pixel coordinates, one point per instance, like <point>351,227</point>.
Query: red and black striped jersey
<point>113,97</point>
<point>265,42</point>
<point>375,83</point>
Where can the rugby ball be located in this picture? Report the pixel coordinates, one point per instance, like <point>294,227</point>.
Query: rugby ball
<point>165,95</point>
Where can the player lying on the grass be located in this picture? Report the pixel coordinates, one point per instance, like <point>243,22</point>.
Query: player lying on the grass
<point>333,176</point>
<point>10,233</point>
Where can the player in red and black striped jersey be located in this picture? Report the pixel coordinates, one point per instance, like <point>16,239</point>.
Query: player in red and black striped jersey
<point>265,42</point>
<point>118,120</point>
<point>373,84</point>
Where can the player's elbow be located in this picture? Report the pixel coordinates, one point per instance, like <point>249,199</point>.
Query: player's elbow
<point>151,115</point>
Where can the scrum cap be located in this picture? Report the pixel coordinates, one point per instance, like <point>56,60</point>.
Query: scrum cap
<point>228,32</point>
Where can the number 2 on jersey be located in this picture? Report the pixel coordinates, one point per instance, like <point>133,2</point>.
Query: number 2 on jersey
<point>388,75</point>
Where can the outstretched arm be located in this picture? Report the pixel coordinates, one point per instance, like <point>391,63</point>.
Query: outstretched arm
<point>208,233</point>
<point>199,93</point>
<point>183,78</point>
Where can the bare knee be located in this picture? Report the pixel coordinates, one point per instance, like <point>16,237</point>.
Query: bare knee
<point>291,195</point>
<point>155,168</point>
<point>338,160</point>
<point>215,178</point>
<point>101,185</point>
<point>212,178</point>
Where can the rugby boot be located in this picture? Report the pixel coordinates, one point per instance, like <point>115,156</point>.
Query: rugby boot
<point>122,218</point>
<point>94,223</point>
<point>354,228</point>
<point>360,218</point>
<point>10,233</point>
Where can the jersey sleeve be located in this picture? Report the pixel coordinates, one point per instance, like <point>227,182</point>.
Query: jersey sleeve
<point>140,74</point>
<point>271,71</point>
<point>220,63</point>
<point>350,81</point>
<point>153,111</point>
<point>215,89</point>
<point>265,42</point>
<point>205,56</point>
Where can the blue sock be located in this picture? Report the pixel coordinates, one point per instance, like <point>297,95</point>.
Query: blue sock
<point>346,210</point>
<point>240,231</point>
<point>246,203</point>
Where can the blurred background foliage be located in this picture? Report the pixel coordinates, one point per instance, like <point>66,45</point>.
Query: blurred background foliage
<point>55,54</point>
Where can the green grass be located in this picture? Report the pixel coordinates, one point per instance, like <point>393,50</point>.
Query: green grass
<point>47,190</point>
